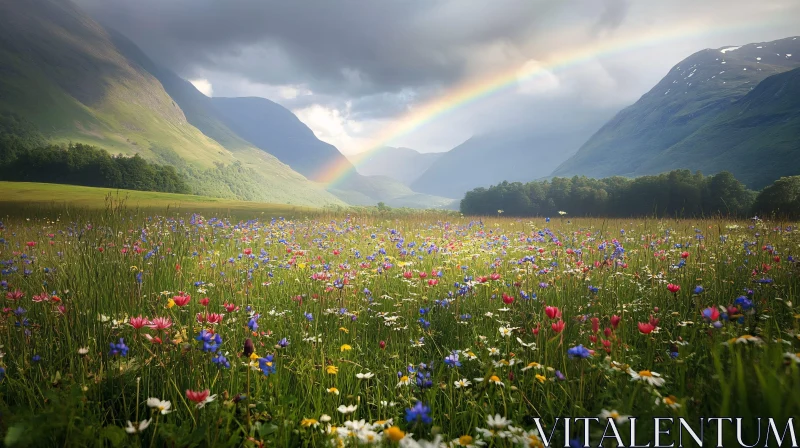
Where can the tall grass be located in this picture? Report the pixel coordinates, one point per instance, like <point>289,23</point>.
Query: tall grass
<point>346,294</point>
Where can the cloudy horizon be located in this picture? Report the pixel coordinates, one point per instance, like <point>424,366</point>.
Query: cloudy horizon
<point>351,70</point>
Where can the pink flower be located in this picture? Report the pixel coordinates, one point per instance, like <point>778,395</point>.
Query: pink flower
<point>558,327</point>
<point>214,318</point>
<point>160,323</point>
<point>615,321</point>
<point>673,288</point>
<point>138,322</point>
<point>14,295</point>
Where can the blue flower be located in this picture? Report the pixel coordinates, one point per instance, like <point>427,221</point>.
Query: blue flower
<point>309,316</point>
<point>211,341</point>
<point>119,348</point>
<point>579,352</point>
<point>698,289</point>
<point>452,360</point>
<point>283,343</point>
<point>36,358</point>
<point>266,365</point>
<point>221,361</point>
<point>743,302</point>
<point>419,413</point>
<point>253,323</point>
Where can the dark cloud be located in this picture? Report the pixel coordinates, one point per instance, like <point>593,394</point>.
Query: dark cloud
<point>356,47</point>
<point>376,60</point>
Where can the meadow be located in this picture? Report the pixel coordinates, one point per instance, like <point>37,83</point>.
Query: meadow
<point>128,326</point>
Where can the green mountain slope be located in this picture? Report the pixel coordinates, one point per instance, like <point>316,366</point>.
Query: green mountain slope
<point>402,164</point>
<point>64,73</point>
<point>276,130</point>
<point>757,138</point>
<point>692,95</point>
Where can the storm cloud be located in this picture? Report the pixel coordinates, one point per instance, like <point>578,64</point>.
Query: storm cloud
<point>370,62</point>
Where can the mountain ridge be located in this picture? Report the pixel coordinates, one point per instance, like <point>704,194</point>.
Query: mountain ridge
<point>692,94</point>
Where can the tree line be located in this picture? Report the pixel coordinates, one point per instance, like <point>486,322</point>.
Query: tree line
<point>25,157</point>
<point>678,193</point>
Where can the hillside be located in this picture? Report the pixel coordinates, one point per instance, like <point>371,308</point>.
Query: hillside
<point>695,93</point>
<point>276,130</point>
<point>64,73</point>
<point>757,138</point>
<point>402,164</point>
<point>489,159</point>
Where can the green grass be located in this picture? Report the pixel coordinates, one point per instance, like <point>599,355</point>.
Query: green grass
<point>29,195</point>
<point>64,73</point>
<point>349,297</point>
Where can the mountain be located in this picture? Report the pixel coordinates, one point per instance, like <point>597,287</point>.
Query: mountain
<point>488,159</point>
<point>402,164</point>
<point>690,118</point>
<point>757,138</point>
<point>275,129</point>
<point>66,75</point>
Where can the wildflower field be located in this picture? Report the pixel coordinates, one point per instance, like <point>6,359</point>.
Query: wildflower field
<point>126,328</point>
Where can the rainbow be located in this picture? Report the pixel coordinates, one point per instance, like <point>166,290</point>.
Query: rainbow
<point>470,92</point>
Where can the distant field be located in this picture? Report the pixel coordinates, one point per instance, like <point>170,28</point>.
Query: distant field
<point>14,195</point>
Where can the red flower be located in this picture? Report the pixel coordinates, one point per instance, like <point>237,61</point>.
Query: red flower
<point>495,276</point>
<point>482,279</point>
<point>607,332</point>
<point>248,251</point>
<point>595,325</point>
<point>407,274</point>
<point>423,274</point>
<point>433,282</point>
<point>204,301</point>
<point>229,307</point>
<point>507,299</point>
<point>673,288</point>
<point>552,312</point>
<point>558,327</point>
<point>684,255</point>
<point>646,328</point>
<point>615,321</point>
<point>182,299</point>
<point>382,345</point>
<point>535,331</point>
<point>214,318</point>
<point>30,243</point>
<point>199,396</point>
<point>653,321</point>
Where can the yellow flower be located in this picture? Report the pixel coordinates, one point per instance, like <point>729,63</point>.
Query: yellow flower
<point>465,440</point>
<point>333,390</point>
<point>253,356</point>
<point>301,265</point>
<point>394,433</point>
<point>541,378</point>
<point>345,330</point>
<point>345,348</point>
<point>332,370</point>
<point>170,303</point>
<point>308,422</point>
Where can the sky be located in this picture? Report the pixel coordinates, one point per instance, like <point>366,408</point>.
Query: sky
<point>363,74</point>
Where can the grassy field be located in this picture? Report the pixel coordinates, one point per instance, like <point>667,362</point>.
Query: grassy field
<point>126,327</point>
<point>38,196</point>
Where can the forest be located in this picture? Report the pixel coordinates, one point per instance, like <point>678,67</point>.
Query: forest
<point>678,193</point>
